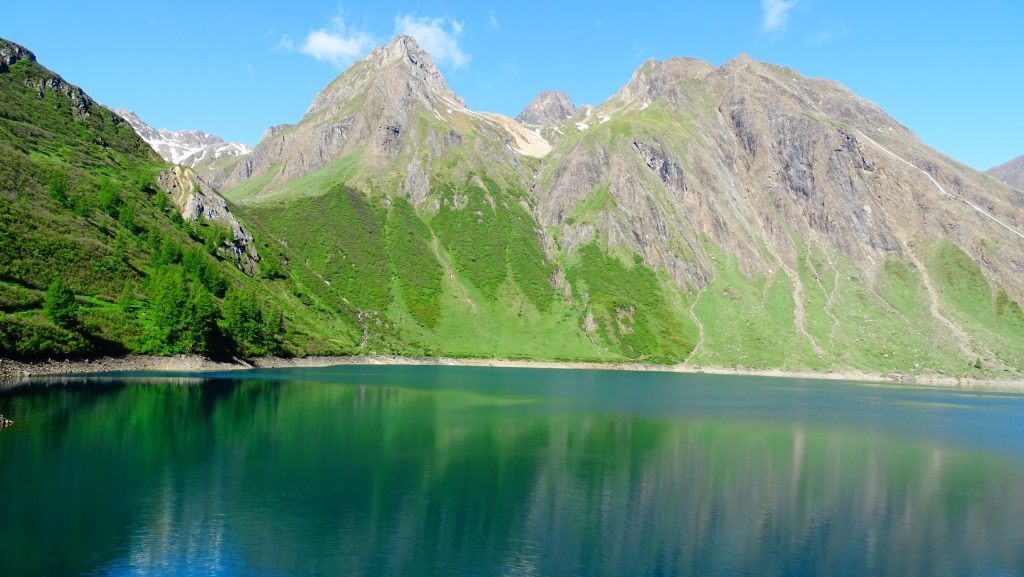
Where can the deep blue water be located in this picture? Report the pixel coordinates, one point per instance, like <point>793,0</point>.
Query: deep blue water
<point>489,472</point>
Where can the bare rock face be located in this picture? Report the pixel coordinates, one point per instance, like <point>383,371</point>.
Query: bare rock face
<point>752,156</point>
<point>665,79</point>
<point>197,199</point>
<point>372,107</point>
<point>549,108</point>
<point>1011,172</point>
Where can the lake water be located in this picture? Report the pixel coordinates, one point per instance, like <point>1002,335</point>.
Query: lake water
<point>453,471</point>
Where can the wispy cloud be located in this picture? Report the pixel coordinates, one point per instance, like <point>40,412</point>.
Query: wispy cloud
<point>438,36</point>
<point>829,33</point>
<point>774,14</point>
<point>493,20</point>
<point>285,44</point>
<point>339,44</point>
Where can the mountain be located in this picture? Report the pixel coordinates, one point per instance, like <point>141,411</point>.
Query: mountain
<point>548,108</point>
<point>393,101</point>
<point>733,215</point>
<point>190,148</point>
<point>1011,172</point>
<point>104,248</point>
<point>739,215</point>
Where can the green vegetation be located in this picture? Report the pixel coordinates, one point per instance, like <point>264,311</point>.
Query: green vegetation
<point>84,233</point>
<point>94,259</point>
<point>630,307</point>
<point>59,304</point>
<point>413,264</point>
<point>995,321</point>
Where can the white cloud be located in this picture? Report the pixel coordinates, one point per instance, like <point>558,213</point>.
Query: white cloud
<point>339,45</point>
<point>285,44</point>
<point>493,20</point>
<point>775,13</point>
<point>438,36</point>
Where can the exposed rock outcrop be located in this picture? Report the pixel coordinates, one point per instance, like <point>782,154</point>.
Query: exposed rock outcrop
<point>549,108</point>
<point>11,53</point>
<point>196,199</point>
<point>374,108</point>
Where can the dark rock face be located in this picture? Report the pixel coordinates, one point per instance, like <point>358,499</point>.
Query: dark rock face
<point>655,158</point>
<point>549,108</point>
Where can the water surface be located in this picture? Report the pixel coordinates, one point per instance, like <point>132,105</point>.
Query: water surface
<point>453,471</point>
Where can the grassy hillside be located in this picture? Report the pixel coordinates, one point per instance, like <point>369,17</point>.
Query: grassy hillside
<point>93,257</point>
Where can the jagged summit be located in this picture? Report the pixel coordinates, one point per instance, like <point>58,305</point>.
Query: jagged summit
<point>399,70</point>
<point>651,79</point>
<point>191,148</point>
<point>548,108</point>
<point>393,106</point>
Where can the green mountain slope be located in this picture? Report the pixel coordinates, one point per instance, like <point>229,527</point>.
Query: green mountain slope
<point>731,216</point>
<point>84,223</point>
<point>737,216</point>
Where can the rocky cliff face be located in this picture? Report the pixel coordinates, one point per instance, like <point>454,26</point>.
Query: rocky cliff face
<point>197,199</point>
<point>394,110</point>
<point>786,214</point>
<point>551,107</point>
<point>751,156</point>
<point>1011,172</point>
<point>190,148</point>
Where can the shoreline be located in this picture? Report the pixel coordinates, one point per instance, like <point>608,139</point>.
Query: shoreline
<point>16,372</point>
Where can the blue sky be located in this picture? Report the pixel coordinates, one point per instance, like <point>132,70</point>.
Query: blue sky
<point>950,71</point>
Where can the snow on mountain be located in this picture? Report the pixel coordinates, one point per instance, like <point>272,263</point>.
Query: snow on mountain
<point>184,147</point>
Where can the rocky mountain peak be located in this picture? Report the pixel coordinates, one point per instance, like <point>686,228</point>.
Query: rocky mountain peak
<point>11,53</point>
<point>654,78</point>
<point>398,71</point>
<point>548,108</point>
<point>184,147</point>
<point>404,50</point>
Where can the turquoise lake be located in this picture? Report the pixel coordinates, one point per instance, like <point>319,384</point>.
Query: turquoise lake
<point>458,471</point>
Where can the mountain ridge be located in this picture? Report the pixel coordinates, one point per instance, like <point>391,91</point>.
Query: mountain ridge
<point>742,215</point>
<point>191,148</point>
<point>790,178</point>
<point>1010,172</point>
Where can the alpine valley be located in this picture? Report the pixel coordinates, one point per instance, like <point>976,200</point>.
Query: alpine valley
<point>743,215</point>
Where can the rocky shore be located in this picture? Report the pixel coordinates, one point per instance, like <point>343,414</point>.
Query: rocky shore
<point>15,372</point>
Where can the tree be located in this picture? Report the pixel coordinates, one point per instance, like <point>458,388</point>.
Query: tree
<point>199,321</point>
<point>270,268</point>
<point>59,304</point>
<point>110,199</point>
<point>59,187</point>
<point>251,329</point>
<point>166,297</point>
<point>199,266</point>
<point>127,217</point>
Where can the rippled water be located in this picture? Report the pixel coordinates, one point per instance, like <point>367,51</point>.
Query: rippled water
<point>468,471</point>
